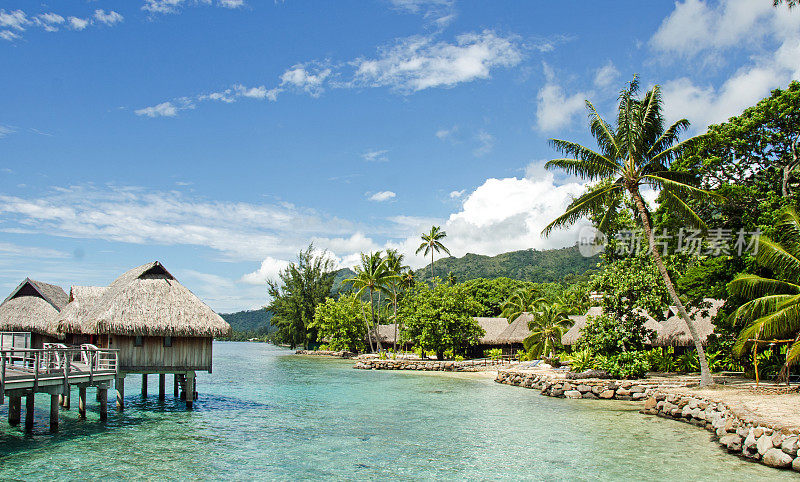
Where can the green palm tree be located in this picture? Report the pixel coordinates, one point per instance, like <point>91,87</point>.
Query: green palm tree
<point>394,263</point>
<point>637,152</point>
<point>431,242</point>
<point>774,309</point>
<point>547,327</point>
<point>522,301</point>
<point>374,276</point>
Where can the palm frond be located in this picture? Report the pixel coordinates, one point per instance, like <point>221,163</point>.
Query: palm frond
<point>581,207</point>
<point>751,286</point>
<point>757,308</point>
<point>774,256</point>
<point>785,322</point>
<point>676,204</point>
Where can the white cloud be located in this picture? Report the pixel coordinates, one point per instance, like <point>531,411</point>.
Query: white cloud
<point>269,270</point>
<point>445,134</point>
<point>456,194</point>
<point>306,77</point>
<point>772,35</point>
<point>8,35</point>
<point>231,3</point>
<point>419,63</point>
<point>485,143</point>
<point>76,23</point>
<point>606,75</point>
<point>555,109</point>
<point>439,13</point>
<point>6,130</point>
<point>49,21</point>
<point>110,18</point>
<point>382,196</point>
<point>15,250</point>
<point>164,109</point>
<point>16,19</point>
<point>173,6</point>
<point>375,155</point>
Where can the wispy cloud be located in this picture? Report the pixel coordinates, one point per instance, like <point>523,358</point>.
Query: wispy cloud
<point>375,155</point>
<point>556,109</point>
<point>447,134</point>
<point>14,22</point>
<point>382,196</point>
<point>6,130</point>
<point>485,143</point>
<point>436,13</point>
<point>174,6</point>
<point>606,75</point>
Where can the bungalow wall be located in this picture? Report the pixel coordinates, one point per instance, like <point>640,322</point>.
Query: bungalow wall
<point>185,354</point>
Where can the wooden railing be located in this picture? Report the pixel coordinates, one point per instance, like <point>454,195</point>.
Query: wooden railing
<point>54,360</point>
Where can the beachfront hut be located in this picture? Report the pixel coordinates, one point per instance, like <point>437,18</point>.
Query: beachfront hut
<point>30,308</point>
<point>386,335</point>
<point>493,327</point>
<point>513,337</point>
<point>157,324</point>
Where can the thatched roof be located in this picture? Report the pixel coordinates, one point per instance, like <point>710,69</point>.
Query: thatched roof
<point>386,333</point>
<point>671,332</point>
<point>31,306</point>
<point>146,300</point>
<point>493,328</point>
<point>82,300</point>
<point>517,331</point>
<point>674,331</point>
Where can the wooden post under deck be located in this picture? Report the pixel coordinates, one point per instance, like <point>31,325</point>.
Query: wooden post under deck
<point>144,385</point>
<point>162,386</point>
<point>119,384</point>
<point>64,399</point>
<point>54,413</point>
<point>103,394</point>
<point>30,400</point>
<point>14,409</point>
<point>82,402</point>
<point>175,385</point>
<point>189,390</point>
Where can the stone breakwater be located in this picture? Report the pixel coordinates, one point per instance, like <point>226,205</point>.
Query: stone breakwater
<point>425,365</point>
<point>739,434</point>
<point>328,353</point>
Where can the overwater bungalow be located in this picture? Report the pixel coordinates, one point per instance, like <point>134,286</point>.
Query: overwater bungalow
<point>27,312</point>
<point>157,325</point>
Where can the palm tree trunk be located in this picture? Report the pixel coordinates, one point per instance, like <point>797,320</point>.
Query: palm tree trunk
<point>705,373</point>
<point>366,323</point>
<point>394,305</point>
<point>374,326</point>
<point>431,266</point>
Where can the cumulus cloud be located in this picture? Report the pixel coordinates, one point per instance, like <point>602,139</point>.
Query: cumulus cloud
<point>309,78</point>
<point>16,21</point>
<point>456,194</point>
<point>108,18</point>
<point>269,270</point>
<point>382,196</point>
<point>606,75</point>
<point>375,155</point>
<point>771,35</point>
<point>76,23</point>
<point>164,109</point>
<point>419,63</point>
<point>555,109</point>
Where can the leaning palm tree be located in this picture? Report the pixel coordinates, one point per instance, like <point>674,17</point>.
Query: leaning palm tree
<point>547,327</point>
<point>522,301</point>
<point>394,263</point>
<point>774,309</point>
<point>432,242</point>
<point>637,152</point>
<point>374,276</point>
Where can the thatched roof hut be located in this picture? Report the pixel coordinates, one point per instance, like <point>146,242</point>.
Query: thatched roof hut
<point>31,307</point>
<point>82,300</point>
<point>674,331</point>
<point>578,322</point>
<point>517,331</point>
<point>386,333</point>
<point>493,328</point>
<point>147,301</point>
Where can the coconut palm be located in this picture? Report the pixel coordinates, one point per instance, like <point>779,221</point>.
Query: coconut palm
<point>522,301</point>
<point>374,276</point>
<point>547,327</point>
<point>431,242</point>
<point>394,263</point>
<point>774,309</point>
<point>637,152</point>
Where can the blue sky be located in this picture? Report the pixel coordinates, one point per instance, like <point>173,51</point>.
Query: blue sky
<point>222,136</point>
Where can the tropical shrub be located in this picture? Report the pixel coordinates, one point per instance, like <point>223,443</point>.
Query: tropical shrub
<point>582,360</point>
<point>627,365</point>
<point>493,353</point>
<point>340,323</point>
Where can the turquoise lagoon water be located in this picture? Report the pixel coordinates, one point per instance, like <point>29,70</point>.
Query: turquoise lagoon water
<point>266,414</point>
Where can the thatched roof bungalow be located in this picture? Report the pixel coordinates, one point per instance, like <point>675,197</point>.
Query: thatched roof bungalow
<point>31,307</point>
<point>516,332</point>
<point>156,323</point>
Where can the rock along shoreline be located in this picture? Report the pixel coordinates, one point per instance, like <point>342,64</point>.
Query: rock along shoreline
<point>747,437</point>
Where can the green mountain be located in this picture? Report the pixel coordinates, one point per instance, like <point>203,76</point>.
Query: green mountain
<point>546,266</point>
<point>251,321</point>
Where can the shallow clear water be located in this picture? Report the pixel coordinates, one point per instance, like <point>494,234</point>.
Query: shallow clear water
<point>266,414</point>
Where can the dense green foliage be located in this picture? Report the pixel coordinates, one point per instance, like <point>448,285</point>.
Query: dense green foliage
<point>340,323</point>
<point>249,324</point>
<point>546,266</point>
<point>548,325</point>
<point>302,286</point>
<point>440,318</point>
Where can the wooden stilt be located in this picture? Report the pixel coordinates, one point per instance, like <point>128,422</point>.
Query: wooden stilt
<point>30,400</point>
<point>82,402</point>
<point>144,385</point>
<point>175,385</point>
<point>65,399</point>
<point>14,410</point>
<point>189,389</point>
<point>103,394</point>
<point>162,386</point>
<point>119,384</point>
<point>54,413</point>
